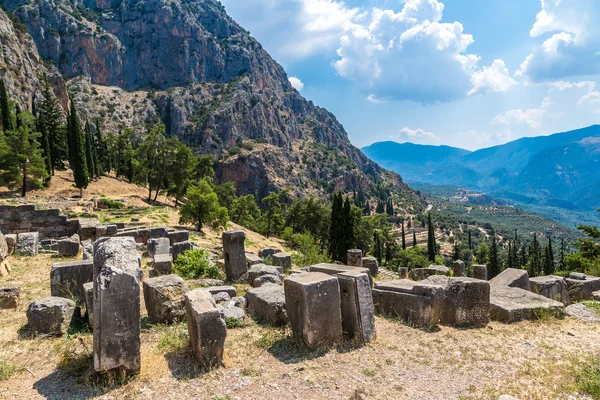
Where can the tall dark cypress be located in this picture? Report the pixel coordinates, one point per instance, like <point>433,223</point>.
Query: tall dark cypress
<point>403,237</point>
<point>549,266</point>
<point>89,157</point>
<point>470,242</point>
<point>561,261</point>
<point>4,107</point>
<point>431,246</point>
<point>414,238</point>
<point>50,124</point>
<point>336,239</point>
<point>348,228</point>
<point>494,265</point>
<point>77,150</point>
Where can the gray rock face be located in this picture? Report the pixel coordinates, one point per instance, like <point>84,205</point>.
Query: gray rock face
<point>267,304</point>
<point>27,244</point>
<point>67,279</point>
<point>458,268</point>
<point>180,247</point>
<point>116,305</point>
<point>314,308</point>
<point>162,264</point>
<point>268,252</point>
<point>511,304</point>
<point>354,258</point>
<point>11,243</point>
<point>511,277</point>
<point>3,248</point>
<point>582,289</point>
<point>88,292</point>
<point>159,246</point>
<point>259,270</point>
<point>51,315</point>
<point>206,328</point>
<point>268,279</point>
<point>582,313</point>
<point>552,287</point>
<point>480,272</point>
<point>234,254</point>
<point>9,297</point>
<point>164,299</point>
<point>372,264</point>
<point>358,318</point>
<point>253,259</point>
<point>418,274</point>
<point>282,260</point>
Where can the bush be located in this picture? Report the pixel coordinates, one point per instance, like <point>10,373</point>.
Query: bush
<point>196,264</point>
<point>112,204</point>
<point>309,251</point>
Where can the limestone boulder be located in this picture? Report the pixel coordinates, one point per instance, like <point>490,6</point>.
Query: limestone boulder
<point>418,274</point>
<point>596,295</point>
<point>582,289</point>
<point>458,268</point>
<point>268,252</point>
<point>88,249</point>
<point>11,242</point>
<point>164,299</point>
<point>221,297</point>
<point>159,246</point>
<point>334,269</point>
<point>354,258</point>
<point>234,254</point>
<point>511,304</point>
<point>3,248</point>
<point>67,278</point>
<point>282,260</point>
<point>88,292</point>
<point>372,265</point>
<point>162,264</point>
<point>253,259</point>
<point>9,297</point>
<point>552,287</point>
<point>27,244</point>
<point>511,277</point>
<point>582,313</point>
<point>267,304</point>
<point>230,290</point>
<point>178,237</point>
<point>259,270</point>
<point>180,247</point>
<point>358,315</point>
<point>51,315</point>
<point>480,272</point>
<point>268,279</point>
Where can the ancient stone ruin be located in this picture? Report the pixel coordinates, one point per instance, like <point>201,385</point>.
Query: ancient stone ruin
<point>234,255</point>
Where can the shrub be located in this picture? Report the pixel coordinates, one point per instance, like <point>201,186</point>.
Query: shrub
<point>113,204</point>
<point>7,369</point>
<point>196,264</point>
<point>588,378</point>
<point>233,323</point>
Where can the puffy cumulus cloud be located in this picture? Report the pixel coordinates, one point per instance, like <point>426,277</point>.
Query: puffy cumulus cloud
<point>576,100</point>
<point>411,55</point>
<point>296,83</point>
<point>571,41</point>
<point>416,136</point>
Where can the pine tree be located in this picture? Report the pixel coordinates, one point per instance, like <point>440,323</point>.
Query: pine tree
<point>367,209</point>
<point>431,245</point>
<point>89,157</point>
<point>403,237</point>
<point>494,265</point>
<point>77,157</point>
<point>389,207</point>
<point>414,238</point>
<point>549,265</point>
<point>5,117</point>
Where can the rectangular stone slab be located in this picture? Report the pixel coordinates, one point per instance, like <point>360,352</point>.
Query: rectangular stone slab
<point>334,269</point>
<point>512,277</point>
<point>313,305</point>
<point>552,287</point>
<point>508,304</point>
<point>116,301</point>
<point>67,279</point>
<point>582,289</point>
<point>234,254</point>
<point>358,319</point>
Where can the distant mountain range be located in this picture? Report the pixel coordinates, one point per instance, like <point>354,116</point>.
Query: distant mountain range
<point>557,175</point>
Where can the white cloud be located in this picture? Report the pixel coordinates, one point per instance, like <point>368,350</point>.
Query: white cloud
<point>473,140</point>
<point>296,83</point>
<point>416,136</point>
<point>495,78</point>
<point>572,41</point>
<point>374,99</point>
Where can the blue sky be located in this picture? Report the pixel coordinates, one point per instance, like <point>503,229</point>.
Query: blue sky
<point>465,73</point>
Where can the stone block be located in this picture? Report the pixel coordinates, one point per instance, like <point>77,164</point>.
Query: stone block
<point>267,304</point>
<point>69,247</point>
<point>27,244</point>
<point>11,242</point>
<point>162,264</point>
<point>88,250</point>
<point>230,290</point>
<point>9,297</point>
<point>418,274</point>
<point>282,260</point>
<point>234,254</point>
<point>358,319</point>
<point>582,289</point>
<point>268,279</point>
<point>354,258</point>
<point>116,318</point>
<point>253,259</point>
<point>88,293</point>
<point>3,248</point>
<point>178,236</point>
<point>372,264</point>
<point>67,278</point>
<point>51,315</point>
<point>180,247</point>
<point>158,246</point>
<point>111,230</point>
<point>582,313</point>
<point>596,295</point>
<point>314,308</point>
<point>152,233</point>
<point>480,272</point>
<point>101,231</point>
<point>206,328</point>
<point>87,227</point>
<point>417,303</point>
<point>403,272</point>
<point>458,268</point>
<point>268,252</point>
<point>259,270</point>
<point>512,277</point>
<point>577,276</point>
<point>164,299</point>
<point>552,287</point>
<point>511,304</point>
<point>334,269</point>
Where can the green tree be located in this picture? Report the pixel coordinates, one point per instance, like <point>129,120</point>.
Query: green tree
<point>77,157</point>
<point>202,207</point>
<point>455,251</point>
<point>204,167</point>
<point>494,264</point>
<point>483,253</point>
<point>21,161</point>
<point>562,255</point>
<point>431,245</point>
<point>414,238</point>
<point>534,261</point>
<point>5,113</point>
<point>244,211</point>
<point>470,241</point>
<point>403,237</point>
<point>50,117</point>
<point>180,171</point>
<point>272,214</point>
<point>226,194</point>
<point>89,154</point>
<point>549,265</point>
<point>349,222</point>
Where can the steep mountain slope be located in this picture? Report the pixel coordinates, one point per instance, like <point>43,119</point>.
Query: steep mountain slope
<point>189,65</point>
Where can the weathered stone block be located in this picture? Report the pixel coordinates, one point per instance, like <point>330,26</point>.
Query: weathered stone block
<point>230,290</point>
<point>314,308</point>
<point>87,227</point>
<point>418,274</point>
<point>111,230</point>
<point>358,320</point>
<point>180,247</point>
<point>282,260</point>
<point>259,270</point>
<point>178,236</point>
<point>116,305</point>
<point>51,315</point>
<point>372,264</point>
<point>206,328</point>
<point>458,268</point>
<point>511,304</point>
<point>27,244</point>
<point>88,293</point>
<point>334,269</point>
<point>162,264</point>
<point>164,298</point>
<point>582,289</point>
<point>552,287</point>
<point>512,277</point>
<point>67,278</point>
<point>69,247</point>
<point>3,248</point>
<point>403,272</point>
<point>268,252</point>
<point>267,279</point>
<point>234,254</point>
<point>9,297</point>
<point>480,272</point>
<point>354,258</point>
<point>267,303</point>
<point>596,295</point>
<point>253,259</point>
<point>11,242</point>
<point>151,233</point>
<point>158,246</point>
<point>101,231</point>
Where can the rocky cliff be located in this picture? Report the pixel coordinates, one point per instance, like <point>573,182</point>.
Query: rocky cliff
<point>188,64</point>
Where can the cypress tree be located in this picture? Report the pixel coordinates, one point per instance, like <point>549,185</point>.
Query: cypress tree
<point>367,209</point>
<point>336,239</point>
<point>88,151</point>
<point>403,237</point>
<point>509,259</point>
<point>50,120</point>
<point>4,108</point>
<point>414,238</point>
<point>455,251</point>
<point>470,242</point>
<point>494,265</point>
<point>431,246</point>
<point>348,228</point>
<point>18,116</point>
<point>549,266</point>
<point>377,251</point>
<point>523,255</point>
<point>77,150</point>
<point>534,260</point>
<point>562,263</point>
